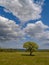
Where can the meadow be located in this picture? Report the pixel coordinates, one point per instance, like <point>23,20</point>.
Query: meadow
<point>23,58</point>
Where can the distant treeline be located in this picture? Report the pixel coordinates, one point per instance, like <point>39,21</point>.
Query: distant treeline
<point>11,50</point>
<point>43,50</point>
<point>22,50</point>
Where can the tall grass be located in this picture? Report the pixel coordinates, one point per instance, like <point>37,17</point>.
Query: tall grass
<point>23,58</point>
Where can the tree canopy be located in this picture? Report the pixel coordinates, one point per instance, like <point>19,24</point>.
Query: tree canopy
<point>30,46</point>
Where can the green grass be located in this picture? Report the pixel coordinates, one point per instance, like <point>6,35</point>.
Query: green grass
<point>21,58</point>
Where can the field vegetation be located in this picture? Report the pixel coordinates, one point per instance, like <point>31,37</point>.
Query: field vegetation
<point>23,58</point>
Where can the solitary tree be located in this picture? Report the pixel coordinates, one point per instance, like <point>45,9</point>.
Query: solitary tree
<point>30,46</point>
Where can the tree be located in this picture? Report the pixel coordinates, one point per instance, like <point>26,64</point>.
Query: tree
<point>30,46</point>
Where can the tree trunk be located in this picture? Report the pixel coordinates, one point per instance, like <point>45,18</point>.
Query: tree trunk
<point>30,53</point>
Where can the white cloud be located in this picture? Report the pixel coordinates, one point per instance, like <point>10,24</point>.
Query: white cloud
<point>38,31</point>
<point>24,9</point>
<point>9,30</point>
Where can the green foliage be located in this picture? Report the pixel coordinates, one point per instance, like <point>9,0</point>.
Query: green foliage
<point>30,46</point>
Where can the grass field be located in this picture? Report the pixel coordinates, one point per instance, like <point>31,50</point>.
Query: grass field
<point>21,58</point>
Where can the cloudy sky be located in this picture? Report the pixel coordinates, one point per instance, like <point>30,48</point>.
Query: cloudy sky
<point>22,21</point>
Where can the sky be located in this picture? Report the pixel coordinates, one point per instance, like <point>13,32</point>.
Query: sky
<point>22,21</point>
